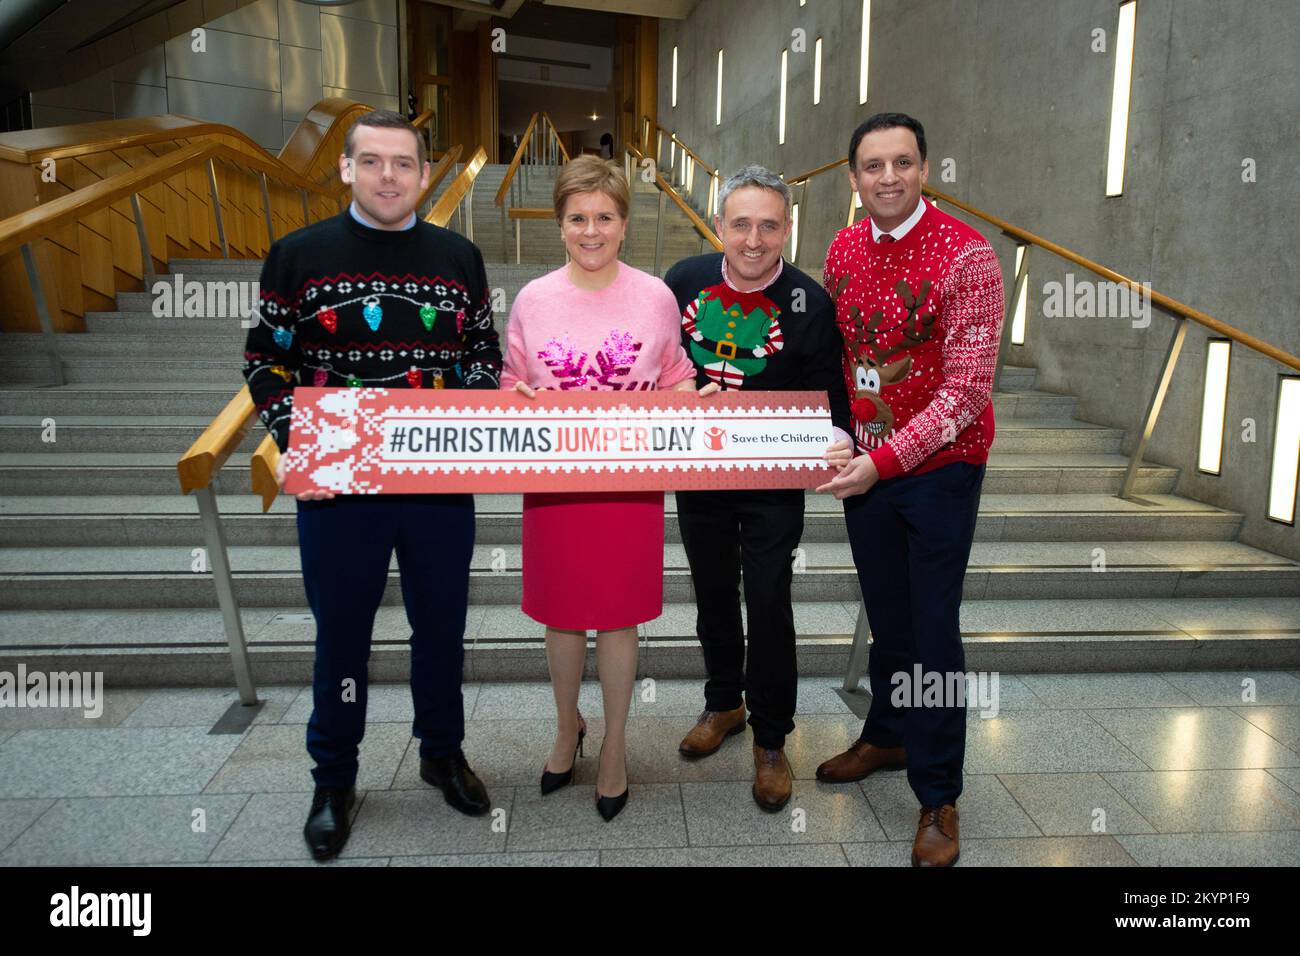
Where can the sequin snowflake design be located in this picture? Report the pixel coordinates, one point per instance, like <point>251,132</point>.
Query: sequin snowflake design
<point>614,359</point>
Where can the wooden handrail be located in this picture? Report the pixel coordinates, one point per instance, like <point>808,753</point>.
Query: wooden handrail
<point>531,212</point>
<point>40,221</point>
<point>1159,299</point>
<point>438,172</point>
<point>267,456</point>
<point>711,170</point>
<point>826,168</point>
<point>550,126</point>
<point>700,226</point>
<point>163,133</point>
<point>514,163</point>
<point>442,210</point>
<point>694,155</point>
<point>209,452</point>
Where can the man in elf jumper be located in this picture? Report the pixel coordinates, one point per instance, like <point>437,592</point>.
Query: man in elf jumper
<point>918,298</point>
<point>752,321</point>
<point>374,297</point>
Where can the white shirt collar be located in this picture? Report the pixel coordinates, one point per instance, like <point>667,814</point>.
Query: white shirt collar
<point>780,264</point>
<point>899,231</point>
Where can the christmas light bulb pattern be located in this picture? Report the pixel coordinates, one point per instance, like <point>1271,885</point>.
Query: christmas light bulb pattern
<point>367,330</point>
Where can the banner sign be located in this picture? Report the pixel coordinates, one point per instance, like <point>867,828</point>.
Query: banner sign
<point>369,441</point>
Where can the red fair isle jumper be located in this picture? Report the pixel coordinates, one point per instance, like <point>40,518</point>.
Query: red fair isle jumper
<point>921,319</point>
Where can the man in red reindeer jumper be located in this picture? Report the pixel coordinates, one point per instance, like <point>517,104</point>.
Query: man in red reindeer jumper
<point>918,298</point>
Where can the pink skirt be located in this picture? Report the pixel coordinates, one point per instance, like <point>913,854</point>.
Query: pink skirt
<point>594,561</point>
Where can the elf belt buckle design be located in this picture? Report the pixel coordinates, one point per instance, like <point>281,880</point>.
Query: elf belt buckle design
<point>718,350</point>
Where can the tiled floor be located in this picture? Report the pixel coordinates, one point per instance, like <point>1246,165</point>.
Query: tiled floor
<point>1078,770</point>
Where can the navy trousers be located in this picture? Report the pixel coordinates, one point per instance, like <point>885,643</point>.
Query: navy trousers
<point>725,532</point>
<point>347,543</point>
<point>911,538</point>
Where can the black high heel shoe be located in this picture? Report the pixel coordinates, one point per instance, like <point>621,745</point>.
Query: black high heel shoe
<point>610,807</point>
<point>554,781</point>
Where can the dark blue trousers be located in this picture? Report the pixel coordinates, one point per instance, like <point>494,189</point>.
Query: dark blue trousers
<point>911,538</point>
<point>347,543</point>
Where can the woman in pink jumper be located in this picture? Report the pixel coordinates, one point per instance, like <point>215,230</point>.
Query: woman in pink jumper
<point>594,561</point>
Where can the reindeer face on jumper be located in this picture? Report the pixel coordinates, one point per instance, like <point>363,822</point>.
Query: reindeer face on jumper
<point>869,357</point>
<point>867,406</point>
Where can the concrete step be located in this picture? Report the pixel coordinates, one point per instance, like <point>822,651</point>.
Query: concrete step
<point>1017,377</point>
<point>84,370</point>
<point>121,433</point>
<point>1069,436</point>
<point>87,577</point>
<point>154,473</point>
<point>187,647</point>
<point>132,520</point>
<point>121,398</point>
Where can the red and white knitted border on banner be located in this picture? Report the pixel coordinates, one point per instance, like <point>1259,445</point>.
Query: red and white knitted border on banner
<point>388,441</point>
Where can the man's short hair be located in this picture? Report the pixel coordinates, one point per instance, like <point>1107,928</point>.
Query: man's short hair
<point>753,175</point>
<point>885,121</point>
<point>383,119</point>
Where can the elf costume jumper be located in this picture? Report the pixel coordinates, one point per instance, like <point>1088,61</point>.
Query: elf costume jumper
<point>921,319</point>
<point>343,304</point>
<point>775,338</point>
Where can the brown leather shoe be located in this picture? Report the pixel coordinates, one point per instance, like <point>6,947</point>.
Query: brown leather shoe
<point>936,841</point>
<point>713,727</point>
<point>772,779</point>
<point>860,760</point>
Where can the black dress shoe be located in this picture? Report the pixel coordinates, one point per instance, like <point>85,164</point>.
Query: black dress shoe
<point>610,807</point>
<point>328,823</point>
<point>452,776</point>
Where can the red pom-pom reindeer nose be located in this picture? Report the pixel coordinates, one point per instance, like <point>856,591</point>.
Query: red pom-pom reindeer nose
<point>864,410</point>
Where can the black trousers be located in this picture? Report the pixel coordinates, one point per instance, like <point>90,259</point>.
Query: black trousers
<point>725,533</point>
<point>911,539</point>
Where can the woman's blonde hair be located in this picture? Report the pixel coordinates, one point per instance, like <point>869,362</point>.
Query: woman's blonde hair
<point>585,174</point>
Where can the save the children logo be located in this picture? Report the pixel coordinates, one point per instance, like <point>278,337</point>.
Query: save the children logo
<point>715,438</point>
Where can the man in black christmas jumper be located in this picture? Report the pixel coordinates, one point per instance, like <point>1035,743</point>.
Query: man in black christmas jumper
<point>376,298</point>
<point>918,297</point>
<point>752,321</point>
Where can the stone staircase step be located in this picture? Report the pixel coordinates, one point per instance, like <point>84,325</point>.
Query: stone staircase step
<point>118,398</point>
<point>154,473</point>
<point>90,577</point>
<point>122,433</point>
<point>186,647</point>
<point>132,520</point>
<point>98,370</point>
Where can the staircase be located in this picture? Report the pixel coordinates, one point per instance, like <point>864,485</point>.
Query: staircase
<point>100,566</point>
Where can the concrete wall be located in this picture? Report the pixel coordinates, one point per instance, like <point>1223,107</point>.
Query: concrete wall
<point>265,65</point>
<point>1012,92</point>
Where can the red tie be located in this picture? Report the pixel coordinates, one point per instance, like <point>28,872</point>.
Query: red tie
<point>885,237</point>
